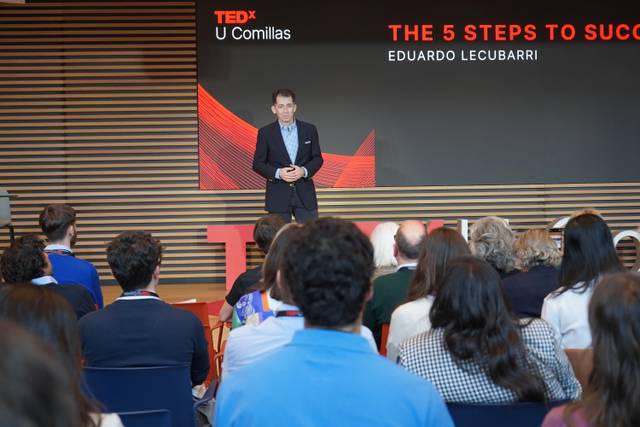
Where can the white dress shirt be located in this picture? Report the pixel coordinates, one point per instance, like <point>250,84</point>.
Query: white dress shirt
<point>568,314</point>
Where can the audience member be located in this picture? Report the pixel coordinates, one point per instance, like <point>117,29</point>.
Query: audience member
<point>477,353</point>
<point>49,317</point>
<point>538,258</point>
<point>588,253</point>
<point>389,291</point>
<point>327,374</point>
<point>139,329</point>
<point>491,239</point>
<point>411,318</point>
<point>382,238</point>
<point>260,304</point>
<point>252,342</point>
<point>263,234</point>
<point>58,223</point>
<point>25,261</point>
<point>34,387</point>
<point>612,395</point>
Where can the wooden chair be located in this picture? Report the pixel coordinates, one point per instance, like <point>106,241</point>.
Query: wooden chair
<point>582,363</point>
<point>384,337</point>
<point>201,311</point>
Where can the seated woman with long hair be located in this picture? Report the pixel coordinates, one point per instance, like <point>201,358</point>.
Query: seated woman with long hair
<point>611,397</point>
<point>476,352</point>
<point>411,318</point>
<point>48,316</point>
<point>588,254</point>
<point>261,303</point>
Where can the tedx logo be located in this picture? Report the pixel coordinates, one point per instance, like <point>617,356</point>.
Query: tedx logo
<point>234,16</point>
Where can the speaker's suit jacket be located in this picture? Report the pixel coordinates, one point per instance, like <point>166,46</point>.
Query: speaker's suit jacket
<point>272,154</point>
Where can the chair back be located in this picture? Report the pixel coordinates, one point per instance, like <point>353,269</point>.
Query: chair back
<point>159,418</point>
<point>143,389</point>
<point>527,414</point>
<point>384,337</point>
<point>5,208</point>
<point>199,309</point>
<point>582,363</point>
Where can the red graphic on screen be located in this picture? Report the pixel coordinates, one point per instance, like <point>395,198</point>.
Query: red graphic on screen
<point>226,145</point>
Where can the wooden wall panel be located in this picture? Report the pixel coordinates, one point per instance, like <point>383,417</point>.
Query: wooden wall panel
<point>98,108</point>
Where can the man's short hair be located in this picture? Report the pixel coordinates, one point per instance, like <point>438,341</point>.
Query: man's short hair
<point>55,220</point>
<point>24,260</point>
<point>410,250</point>
<point>287,93</point>
<point>133,257</point>
<point>327,267</point>
<point>266,229</point>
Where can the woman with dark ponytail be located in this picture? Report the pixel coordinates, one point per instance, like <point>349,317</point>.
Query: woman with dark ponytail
<point>476,352</point>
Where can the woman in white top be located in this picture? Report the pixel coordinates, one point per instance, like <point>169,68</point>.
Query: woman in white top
<point>588,254</point>
<point>409,319</point>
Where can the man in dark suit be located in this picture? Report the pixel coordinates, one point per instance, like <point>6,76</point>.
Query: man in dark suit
<point>139,329</point>
<point>288,155</point>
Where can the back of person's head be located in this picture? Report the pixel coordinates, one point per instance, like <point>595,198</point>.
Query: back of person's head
<point>47,315</point>
<point>327,267</point>
<point>536,247</point>
<point>266,229</point>
<point>24,260</point>
<point>382,238</point>
<point>477,325</point>
<point>55,220</point>
<point>273,259</point>
<point>133,257</point>
<point>441,245</point>
<point>492,239</point>
<point>588,252</point>
<point>612,395</point>
<point>34,387</point>
<point>410,238</point>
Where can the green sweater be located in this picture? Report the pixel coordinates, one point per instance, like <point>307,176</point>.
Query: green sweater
<point>389,291</point>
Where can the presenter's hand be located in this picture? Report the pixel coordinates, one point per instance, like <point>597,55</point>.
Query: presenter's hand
<point>287,174</point>
<point>297,172</point>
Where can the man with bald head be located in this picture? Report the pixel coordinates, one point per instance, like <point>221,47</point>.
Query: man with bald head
<point>391,290</point>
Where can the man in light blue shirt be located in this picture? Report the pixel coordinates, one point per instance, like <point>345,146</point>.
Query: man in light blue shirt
<point>328,375</point>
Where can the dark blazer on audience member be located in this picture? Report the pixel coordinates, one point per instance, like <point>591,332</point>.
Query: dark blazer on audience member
<point>145,332</point>
<point>76,295</point>
<point>244,284</point>
<point>526,290</point>
<point>389,291</point>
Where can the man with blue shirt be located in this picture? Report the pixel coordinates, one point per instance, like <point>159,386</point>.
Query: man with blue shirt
<point>327,374</point>
<point>58,223</point>
<point>288,156</point>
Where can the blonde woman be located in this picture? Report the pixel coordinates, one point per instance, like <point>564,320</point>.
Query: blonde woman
<point>491,239</point>
<point>538,258</point>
